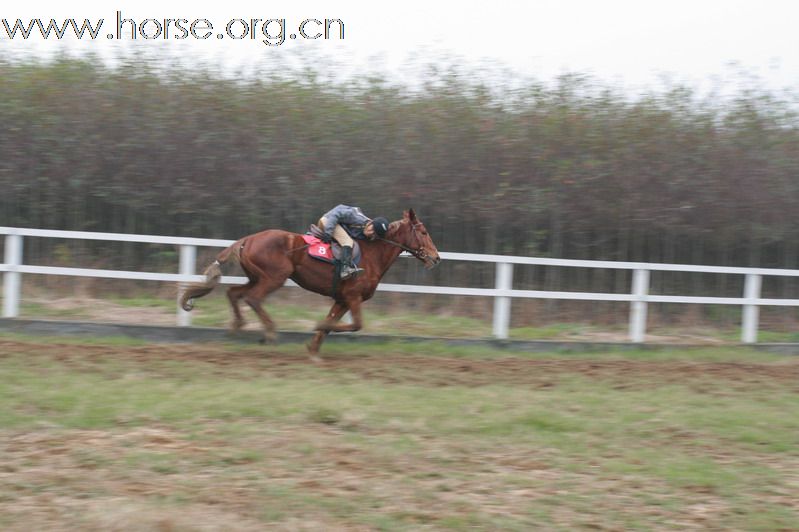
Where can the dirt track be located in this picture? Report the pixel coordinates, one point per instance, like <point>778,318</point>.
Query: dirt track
<point>433,370</point>
<point>312,471</point>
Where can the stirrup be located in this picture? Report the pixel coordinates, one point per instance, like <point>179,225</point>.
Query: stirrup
<point>349,271</point>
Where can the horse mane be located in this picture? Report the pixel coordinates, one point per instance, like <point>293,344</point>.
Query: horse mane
<point>394,226</point>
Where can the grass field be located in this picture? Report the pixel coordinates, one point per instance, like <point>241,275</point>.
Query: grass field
<point>121,435</point>
<point>292,313</point>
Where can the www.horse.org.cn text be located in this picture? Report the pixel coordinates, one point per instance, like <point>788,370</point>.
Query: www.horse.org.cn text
<point>269,31</point>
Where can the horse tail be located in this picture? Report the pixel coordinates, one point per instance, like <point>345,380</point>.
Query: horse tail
<point>213,273</point>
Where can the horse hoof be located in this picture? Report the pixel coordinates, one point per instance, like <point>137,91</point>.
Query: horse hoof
<point>316,359</point>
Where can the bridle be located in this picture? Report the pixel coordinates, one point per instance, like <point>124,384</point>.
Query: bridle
<point>419,253</point>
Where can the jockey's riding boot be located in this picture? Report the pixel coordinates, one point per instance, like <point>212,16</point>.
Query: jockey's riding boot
<point>348,269</point>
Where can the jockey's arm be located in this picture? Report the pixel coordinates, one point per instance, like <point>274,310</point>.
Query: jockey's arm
<point>344,214</point>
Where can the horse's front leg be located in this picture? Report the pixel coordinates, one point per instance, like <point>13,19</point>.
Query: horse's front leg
<point>354,306</point>
<point>323,328</point>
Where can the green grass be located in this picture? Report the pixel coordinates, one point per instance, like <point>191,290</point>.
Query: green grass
<point>109,341</point>
<point>549,332</point>
<point>290,443</point>
<point>214,311</point>
<point>765,336</point>
<point>291,315</point>
<point>42,310</point>
<point>144,301</point>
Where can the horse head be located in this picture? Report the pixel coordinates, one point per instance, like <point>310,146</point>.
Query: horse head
<point>411,234</point>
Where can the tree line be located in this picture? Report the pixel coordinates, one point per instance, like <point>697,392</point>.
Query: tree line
<point>571,168</point>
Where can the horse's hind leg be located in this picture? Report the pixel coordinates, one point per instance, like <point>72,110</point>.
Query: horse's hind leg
<point>335,314</point>
<point>255,296</point>
<point>234,295</point>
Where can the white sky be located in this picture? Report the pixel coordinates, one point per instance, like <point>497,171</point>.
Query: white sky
<point>625,42</point>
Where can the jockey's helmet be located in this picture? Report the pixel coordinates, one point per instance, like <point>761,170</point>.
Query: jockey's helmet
<point>380,225</point>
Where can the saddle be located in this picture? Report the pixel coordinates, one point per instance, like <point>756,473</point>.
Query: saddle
<point>327,252</point>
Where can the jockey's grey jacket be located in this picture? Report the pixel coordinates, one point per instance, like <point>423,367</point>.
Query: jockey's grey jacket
<point>350,218</point>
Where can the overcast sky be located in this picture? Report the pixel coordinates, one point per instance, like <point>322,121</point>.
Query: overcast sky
<point>626,42</point>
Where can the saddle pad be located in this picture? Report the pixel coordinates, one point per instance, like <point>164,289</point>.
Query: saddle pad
<point>318,249</point>
<point>327,253</point>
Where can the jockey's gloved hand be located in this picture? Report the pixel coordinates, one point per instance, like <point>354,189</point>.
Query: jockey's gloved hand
<point>326,238</point>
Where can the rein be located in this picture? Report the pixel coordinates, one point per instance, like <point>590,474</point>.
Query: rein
<point>420,253</point>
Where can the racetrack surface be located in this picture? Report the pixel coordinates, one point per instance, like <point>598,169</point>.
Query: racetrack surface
<point>401,367</point>
<point>211,437</point>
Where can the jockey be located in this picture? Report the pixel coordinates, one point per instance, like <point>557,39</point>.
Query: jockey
<point>342,223</point>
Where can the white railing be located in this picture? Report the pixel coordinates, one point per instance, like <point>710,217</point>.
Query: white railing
<point>639,297</point>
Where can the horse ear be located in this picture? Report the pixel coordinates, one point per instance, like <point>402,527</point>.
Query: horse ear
<point>406,215</point>
<point>411,215</point>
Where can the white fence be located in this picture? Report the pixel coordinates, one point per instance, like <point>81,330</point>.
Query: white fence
<point>639,296</point>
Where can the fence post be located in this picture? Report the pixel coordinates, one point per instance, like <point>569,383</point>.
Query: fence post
<point>188,263</point>
<point>504,281</point>
<point>12,280</point>
<point>638,306</point>
<point>751,313</point>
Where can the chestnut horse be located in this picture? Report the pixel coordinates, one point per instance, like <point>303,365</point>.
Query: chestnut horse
<point>270,257</point>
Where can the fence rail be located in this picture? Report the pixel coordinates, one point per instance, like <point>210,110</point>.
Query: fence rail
<point>13,267</point>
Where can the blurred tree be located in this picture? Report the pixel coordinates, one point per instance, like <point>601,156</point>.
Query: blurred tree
<point>572,169</point>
